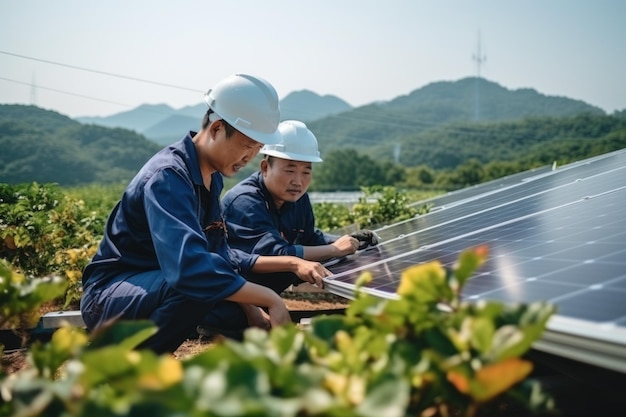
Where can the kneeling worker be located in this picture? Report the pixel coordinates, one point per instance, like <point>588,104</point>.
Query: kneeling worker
<point>270,212</point>
<point>164,255</point>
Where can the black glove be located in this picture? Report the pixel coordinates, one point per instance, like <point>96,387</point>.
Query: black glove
<point>366,238</point>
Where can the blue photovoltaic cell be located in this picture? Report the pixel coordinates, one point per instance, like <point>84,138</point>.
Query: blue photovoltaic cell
<point>558,236</point>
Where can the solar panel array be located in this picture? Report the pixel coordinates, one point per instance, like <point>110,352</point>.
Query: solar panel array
<point>556,235</point>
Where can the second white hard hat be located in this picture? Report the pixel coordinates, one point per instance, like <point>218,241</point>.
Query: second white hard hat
<point>297,143</point>
<point>249,104</point>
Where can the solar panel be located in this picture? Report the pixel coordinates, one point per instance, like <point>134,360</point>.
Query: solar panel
<point>554,235</point>
<point>454,197</point>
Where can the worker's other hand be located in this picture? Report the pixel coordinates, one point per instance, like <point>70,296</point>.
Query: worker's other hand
<point>312,272</point>
<point>366,238</point>
<point>279,315</point>
<point>345,245</point>
<point>257,317</point>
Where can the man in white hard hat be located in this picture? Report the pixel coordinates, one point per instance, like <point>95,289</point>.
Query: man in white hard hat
<point>270,213</point>
<point>164,255</point>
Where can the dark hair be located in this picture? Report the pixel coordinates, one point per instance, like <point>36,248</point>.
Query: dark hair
<point>269,159</point>
<point>206,122</point>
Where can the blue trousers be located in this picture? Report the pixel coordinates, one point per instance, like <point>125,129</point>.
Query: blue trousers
<point>146,295</point>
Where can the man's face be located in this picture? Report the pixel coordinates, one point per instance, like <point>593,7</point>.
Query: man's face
<point>286,180</point>
<point>233,153</point>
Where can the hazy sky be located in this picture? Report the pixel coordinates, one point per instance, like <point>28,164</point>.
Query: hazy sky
<point>361,51</point>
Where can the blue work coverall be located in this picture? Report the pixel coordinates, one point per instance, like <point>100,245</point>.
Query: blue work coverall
<point>164,255</point>
<point>256,226</point>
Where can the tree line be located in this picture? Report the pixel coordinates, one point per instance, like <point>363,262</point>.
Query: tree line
<point>44,146</point>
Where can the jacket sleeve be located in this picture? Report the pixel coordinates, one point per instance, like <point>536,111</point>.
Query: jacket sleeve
<point>180,245</point>
<point>312,235</point>
<point>251,229</point>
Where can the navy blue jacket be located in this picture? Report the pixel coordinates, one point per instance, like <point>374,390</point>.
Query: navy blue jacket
<point>166,222</point>
<point>255,225</point>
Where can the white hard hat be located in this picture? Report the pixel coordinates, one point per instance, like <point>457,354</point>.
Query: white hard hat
<point>298,143</point>
<point>249,104</point>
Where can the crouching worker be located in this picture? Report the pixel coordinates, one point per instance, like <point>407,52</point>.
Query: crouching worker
<point>164,255</point>
<point>270,212</point>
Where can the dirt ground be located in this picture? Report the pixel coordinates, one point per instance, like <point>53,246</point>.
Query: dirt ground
<point>303,301</point>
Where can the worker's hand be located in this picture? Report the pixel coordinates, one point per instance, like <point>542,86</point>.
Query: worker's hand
<point>257,317</point>
<point>366,238</point>
<point>311,272</point>
<point>279,315</point>
<point>251,295</point>
<point>345,245</point>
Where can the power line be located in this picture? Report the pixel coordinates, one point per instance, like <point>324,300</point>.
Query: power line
<point>110,74</point>
<point>64,92</point>
<point>371,117</point>
<point>33,91</point>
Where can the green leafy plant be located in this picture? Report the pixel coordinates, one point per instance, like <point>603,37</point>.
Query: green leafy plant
<point>426,352</point>
<point>44,231</point>
<point>20,298</point>
<point>391,205</point>
<point>331,216</point>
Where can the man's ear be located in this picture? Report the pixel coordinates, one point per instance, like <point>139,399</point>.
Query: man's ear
<point>264,166</point>
<point>215,127</point>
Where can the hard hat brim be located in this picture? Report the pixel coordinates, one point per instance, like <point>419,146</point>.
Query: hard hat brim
<point>292,156</point>
<point>264,138</point>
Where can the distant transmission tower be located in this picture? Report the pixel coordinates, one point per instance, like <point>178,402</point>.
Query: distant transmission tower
<point>480,59</point>
<point>33,91</point>
<point>396,153</point>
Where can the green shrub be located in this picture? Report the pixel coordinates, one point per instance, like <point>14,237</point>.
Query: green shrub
<point>20,298</point>
<point>399,357</point>
<point>44,231</point>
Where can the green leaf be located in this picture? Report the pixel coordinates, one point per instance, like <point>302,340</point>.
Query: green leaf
<point>508,341</point>
<point>110,364</point>
<point>387,397</point>
<point>325,327</point>
<point>127,334</point>
<point>440,343</point>
<point>425,283</point>
<point>482,332</point>
<point>468,262</point>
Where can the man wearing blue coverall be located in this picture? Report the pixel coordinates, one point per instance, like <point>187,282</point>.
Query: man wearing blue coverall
<point>270,212</point>
<point>164,255</point>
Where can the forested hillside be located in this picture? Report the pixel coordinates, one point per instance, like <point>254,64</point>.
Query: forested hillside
<point>44,146</point>
<point>380,128</point>
<point>460,155</point>
<point>539,140</point>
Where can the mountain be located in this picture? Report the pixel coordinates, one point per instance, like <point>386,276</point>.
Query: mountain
<point>477,99</point>
<point>441,125</point>
<point>138,119</point>
<point>44,146</point>
<point>172,128</point>
<point>163,124</point>
<point>379,128</point>
<point>307,106</point>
